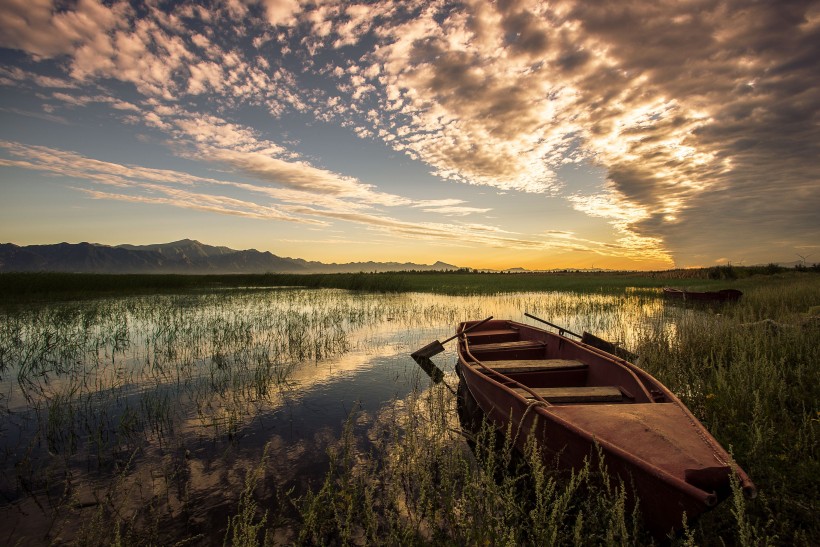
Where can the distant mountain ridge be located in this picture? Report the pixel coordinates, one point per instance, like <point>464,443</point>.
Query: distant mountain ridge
<point>186,256</point>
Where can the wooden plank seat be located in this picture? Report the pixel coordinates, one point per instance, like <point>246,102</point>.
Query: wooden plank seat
<point>533,365</point>
<point>495,336</point>
<point>502,346</point>
<point>583,394</point>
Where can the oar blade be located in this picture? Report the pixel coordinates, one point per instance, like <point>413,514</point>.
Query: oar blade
<point>433,348</point>
<point>607,346</point>
<point>436,347</point>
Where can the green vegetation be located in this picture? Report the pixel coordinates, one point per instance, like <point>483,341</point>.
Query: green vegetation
<point>750,373</point>
<point>120,413</point>
<point>420,486</point>
<point>50,285</point>
<point>581,282</point>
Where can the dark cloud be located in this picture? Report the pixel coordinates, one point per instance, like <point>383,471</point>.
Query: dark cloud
<point>704,113</point>
<point>750,69</point>
<point>523,34</point>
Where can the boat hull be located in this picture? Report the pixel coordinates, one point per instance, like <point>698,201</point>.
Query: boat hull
<point>651,441</point>
<point>724,295</point>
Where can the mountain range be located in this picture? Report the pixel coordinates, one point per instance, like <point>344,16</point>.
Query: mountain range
<point>179,257</point>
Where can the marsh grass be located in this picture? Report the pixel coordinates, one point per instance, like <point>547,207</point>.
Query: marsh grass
<point>51,286</point>
<point>750,373</point>
<point>85,383</point>
<point>421,486</point>
<point>102,400</point>
<point>247,528</point>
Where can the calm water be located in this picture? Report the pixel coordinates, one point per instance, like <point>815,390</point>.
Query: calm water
<point>111,406</point>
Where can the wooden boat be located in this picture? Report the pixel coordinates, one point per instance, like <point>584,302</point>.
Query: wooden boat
<point>571,395</point>
<point>723,295</point>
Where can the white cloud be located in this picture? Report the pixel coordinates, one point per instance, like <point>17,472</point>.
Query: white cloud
<point>222,205</point>
<point>281,12</point>
<point>311,195</point>
<point>37,27</point>
<point>694,116</point>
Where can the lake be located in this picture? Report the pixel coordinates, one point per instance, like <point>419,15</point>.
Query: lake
<point>150,412</point>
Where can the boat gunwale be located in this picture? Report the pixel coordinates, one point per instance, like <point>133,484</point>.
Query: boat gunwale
<point>720,453</point>
<point>630,368</point>
<point>707,498</point>
<point>543,408</point>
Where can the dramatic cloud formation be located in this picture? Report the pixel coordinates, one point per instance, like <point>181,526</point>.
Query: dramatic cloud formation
<point>703,116</point>
<point>143,185</point>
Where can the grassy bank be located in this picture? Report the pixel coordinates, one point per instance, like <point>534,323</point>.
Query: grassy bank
<point>54,285</point>
<point>110,464</point>
<point>748,371</point>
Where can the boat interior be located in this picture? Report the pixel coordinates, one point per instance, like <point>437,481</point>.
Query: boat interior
<point>597,393</point>
<point>545,366</point>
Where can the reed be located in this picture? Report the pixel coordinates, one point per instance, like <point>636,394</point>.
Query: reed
<point>105,401</point>
<point>427,488</point>
<point>246,528</point>
<point>749,372</point>
<point>50,286</point>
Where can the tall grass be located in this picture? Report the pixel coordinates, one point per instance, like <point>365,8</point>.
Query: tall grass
<point>750,373</point>
<point>22,287</point>
<point>109,406</point>
<point>420,485</point>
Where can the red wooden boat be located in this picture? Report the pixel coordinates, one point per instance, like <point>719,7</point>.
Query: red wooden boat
<point>723,295</point>
<point>572,395</point>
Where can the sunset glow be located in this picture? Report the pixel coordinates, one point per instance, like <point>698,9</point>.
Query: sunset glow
<point>490,135</point>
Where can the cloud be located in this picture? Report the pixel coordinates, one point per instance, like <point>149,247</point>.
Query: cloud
<point>737,151</point>
<point>157,52</point>
<point>465,234</point>
<point>212,139</point>
<point>301,176</point>
<point>319,196</point>
<point>296,175</point>
<point>18,76</point>
<point>70,164</point>
<point>136,184</point>
<point>465,104</point>
<point>281,12</point>
<point>449,206</point>
<point>691,111</point>
<point>703,115</point>
<point>37,27</point>
<point>183,199</point>
<point>38,115</point>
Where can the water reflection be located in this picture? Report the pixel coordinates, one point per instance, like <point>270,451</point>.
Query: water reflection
<point>152,409</point>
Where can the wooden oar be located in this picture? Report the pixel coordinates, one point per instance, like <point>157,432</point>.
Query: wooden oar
<point>592,340</point>
<point>436,347</point>
<point>561,330</point>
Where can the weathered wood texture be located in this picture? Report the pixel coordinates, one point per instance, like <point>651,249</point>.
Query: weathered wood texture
<point>502,346</point>
<point>533,365</point>
<point>584,394</point>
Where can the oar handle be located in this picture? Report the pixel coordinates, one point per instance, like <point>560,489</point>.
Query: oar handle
<point>468,329</point>
<point>562,329</point>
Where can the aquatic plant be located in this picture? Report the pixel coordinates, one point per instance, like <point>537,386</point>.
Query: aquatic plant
<point>137,419</point>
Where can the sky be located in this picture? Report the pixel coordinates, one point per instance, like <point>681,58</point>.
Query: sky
<point>617,134</point>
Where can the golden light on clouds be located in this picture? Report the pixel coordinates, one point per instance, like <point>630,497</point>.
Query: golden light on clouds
<point>447,118</point>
